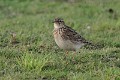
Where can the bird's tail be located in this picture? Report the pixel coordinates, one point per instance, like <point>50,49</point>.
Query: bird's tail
<point>91,45</point>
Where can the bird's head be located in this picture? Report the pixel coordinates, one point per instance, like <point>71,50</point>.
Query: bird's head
<point>58,22</point>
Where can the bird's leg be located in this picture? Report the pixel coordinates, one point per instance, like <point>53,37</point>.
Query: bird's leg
<point>73,57</point>
<point>66,54</point>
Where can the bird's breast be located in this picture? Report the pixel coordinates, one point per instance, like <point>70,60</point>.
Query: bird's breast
<point>64,44</point>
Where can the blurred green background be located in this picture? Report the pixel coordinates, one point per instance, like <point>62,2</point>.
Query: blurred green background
<point>28,50</point>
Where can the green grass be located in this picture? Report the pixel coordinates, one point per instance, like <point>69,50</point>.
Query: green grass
<point>37,56</point>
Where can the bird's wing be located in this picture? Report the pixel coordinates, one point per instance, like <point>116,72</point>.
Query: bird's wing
<point>70,34</point>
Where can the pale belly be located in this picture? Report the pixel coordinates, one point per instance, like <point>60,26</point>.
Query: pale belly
<point>66,44</point>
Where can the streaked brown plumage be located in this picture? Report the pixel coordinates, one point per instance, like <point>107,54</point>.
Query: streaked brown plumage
<point>67,38</point>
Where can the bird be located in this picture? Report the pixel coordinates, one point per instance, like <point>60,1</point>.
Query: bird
<point>66,37</point>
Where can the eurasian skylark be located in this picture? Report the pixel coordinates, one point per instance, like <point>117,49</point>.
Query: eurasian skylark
<point>66,37</point>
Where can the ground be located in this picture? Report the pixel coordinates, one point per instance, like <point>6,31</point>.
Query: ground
<point>28,50</point>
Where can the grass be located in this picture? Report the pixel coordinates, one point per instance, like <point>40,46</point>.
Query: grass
<point>37,57</point>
